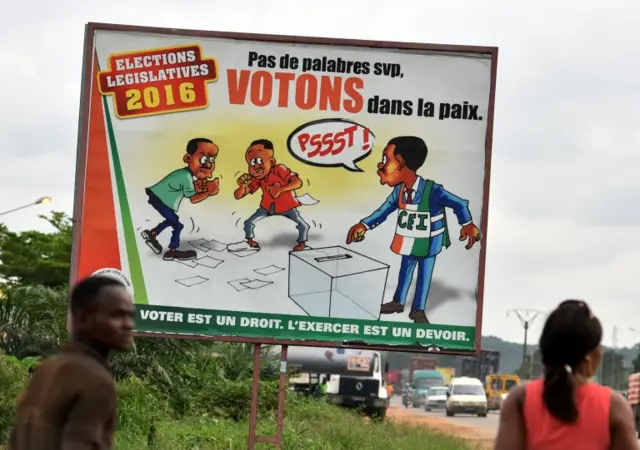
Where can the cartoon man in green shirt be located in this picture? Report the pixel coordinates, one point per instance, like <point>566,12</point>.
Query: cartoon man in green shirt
<point>192,182</point>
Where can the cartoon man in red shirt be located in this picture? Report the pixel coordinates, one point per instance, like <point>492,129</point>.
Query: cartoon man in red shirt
<point>278,185</point>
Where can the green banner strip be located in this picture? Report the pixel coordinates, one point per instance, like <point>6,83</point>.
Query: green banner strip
<point>135,266</point>
<point>169,320</point>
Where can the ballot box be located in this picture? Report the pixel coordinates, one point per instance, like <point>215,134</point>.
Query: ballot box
<point>337,282</point>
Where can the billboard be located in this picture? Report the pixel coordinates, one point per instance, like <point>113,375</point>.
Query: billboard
<point>287,190</point>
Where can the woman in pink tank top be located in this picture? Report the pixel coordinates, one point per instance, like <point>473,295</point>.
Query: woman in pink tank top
<point>565,410</point>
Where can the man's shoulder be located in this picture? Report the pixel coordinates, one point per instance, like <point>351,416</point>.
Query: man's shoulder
<point>79,367</point>
<point>428,181</point>
<point>178,174</point>
<point>281,168</point>
<point>182,172</point>
<point>434,188</point>
<point>67,374</point>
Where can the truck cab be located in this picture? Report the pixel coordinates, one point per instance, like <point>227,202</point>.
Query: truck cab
<point>466,396</point>
<point>354,378</point>
<point>423,380</point>
<point>497,387</point>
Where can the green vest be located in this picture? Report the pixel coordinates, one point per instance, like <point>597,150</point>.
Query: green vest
<point>413,228</point>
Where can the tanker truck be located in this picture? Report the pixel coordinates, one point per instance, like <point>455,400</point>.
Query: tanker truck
<point>354,378</point>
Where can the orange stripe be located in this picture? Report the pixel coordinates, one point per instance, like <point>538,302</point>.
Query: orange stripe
<point>99,235</point>
<point>396,244</point>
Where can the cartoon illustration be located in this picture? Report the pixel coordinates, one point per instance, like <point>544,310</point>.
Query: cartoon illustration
<point>337,282</point>
<point>421,229</point>
<point>278,185</point>
<point>192,182</point>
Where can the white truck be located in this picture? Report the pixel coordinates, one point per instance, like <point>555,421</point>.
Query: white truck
<point>466,396</point>
<point>353,378</point>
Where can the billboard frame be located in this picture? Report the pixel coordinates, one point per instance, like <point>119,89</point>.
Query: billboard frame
<point>490,53</point>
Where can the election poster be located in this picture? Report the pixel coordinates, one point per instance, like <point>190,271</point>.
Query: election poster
<point>291,190</point>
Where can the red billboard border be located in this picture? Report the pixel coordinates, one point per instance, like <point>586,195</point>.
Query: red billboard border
<point>83,128</point>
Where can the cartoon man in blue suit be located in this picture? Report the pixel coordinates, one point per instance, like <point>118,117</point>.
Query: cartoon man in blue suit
<point>421,229</point>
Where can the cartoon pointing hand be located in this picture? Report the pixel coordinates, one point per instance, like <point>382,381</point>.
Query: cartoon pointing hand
<point>356,233</point>
<point>472,233</point>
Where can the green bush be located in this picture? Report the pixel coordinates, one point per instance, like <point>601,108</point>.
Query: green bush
<point>13,377</point>
<point>309,425</point>
<point>139,407</point>
<point>176,394</point>
<point>232,399</point>
<point>218,419</point>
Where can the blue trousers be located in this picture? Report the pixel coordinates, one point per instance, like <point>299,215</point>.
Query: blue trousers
<point>171,219</point>
<point>292,214</point>
<point>425,271</point>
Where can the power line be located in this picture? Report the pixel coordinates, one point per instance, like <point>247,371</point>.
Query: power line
<point>526,317</point>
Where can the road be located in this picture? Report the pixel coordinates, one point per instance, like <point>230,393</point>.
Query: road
<point>489,423</point>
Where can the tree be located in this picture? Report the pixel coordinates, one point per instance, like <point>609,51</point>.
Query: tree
<point>636,361</point>
<point>612,371</point>
<point>37,258</point>
<point>524,371</point>
<point>32,320</point>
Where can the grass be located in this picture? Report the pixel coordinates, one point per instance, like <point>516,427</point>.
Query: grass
<point>309,425</point>
<point>194,395</point>
<point>215,417</point>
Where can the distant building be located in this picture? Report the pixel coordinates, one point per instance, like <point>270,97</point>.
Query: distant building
<point>479,367</point>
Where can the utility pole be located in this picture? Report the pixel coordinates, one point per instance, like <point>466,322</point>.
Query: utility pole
<point>636,347</point>
<point>613,357</point>
<point>526,317</point>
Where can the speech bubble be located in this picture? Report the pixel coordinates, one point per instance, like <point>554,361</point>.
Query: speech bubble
<point>331,143</point>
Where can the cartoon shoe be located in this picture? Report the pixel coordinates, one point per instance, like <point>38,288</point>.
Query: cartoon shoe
<point>151,241</point>
<point>300,246</point>
<point>391,308</point>
<point>252,243</point>
<point>179,255</point>
<point>418,317</point>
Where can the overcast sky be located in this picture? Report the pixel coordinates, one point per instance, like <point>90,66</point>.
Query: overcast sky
<point>564,190</point>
